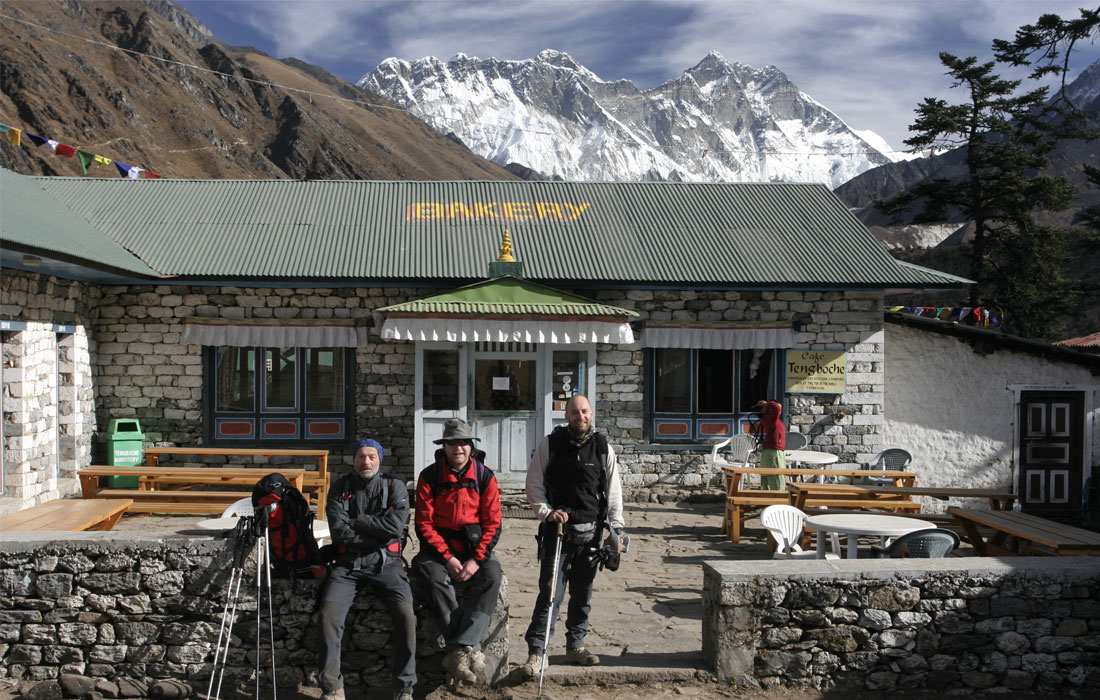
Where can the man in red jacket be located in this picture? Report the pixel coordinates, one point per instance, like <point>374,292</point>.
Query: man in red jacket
<point>458,522</point>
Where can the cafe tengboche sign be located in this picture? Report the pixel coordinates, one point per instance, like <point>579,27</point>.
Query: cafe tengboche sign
<point>815,372</point>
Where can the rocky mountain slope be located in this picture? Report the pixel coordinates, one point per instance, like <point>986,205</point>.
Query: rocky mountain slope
<point>719,121</point>
<point>173,99</point>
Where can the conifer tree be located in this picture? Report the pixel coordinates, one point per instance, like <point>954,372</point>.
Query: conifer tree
<point>1007,136</point>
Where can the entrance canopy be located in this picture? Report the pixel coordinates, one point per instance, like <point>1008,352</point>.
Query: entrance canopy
<point>271,332</point>
<point>507,309</point>
<point>717,335</point>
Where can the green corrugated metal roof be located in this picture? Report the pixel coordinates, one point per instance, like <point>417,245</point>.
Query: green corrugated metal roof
<point>507,296</point>
<point>31,218</point>
<point>661,234</point>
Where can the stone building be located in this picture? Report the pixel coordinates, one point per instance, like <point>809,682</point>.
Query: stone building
<point>309,313</point>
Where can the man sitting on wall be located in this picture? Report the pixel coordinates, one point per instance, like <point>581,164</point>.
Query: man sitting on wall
<point>368,513</point>
<point>458,522</point>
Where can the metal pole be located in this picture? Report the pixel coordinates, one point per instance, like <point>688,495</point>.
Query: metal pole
<point>550,612</point>
<point>270,619</point>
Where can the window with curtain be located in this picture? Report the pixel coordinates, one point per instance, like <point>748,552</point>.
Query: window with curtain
<point>697,395</point>
<point>269,394</point>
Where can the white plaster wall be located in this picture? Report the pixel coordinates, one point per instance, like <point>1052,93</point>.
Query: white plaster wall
<point>952,408</point>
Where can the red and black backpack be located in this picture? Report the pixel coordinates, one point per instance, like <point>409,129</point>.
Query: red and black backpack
<point>289,527</point>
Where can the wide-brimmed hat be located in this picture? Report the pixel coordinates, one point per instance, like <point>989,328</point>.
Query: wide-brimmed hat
<point>456,429</point>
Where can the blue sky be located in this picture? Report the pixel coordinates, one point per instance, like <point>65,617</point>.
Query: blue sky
<point>870,61</point>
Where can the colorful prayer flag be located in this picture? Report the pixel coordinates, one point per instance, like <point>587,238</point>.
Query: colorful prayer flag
<point>123,169</point>
<point>150,175</point>
<point>64,150</point>
<point>13,136</point>
<point>38,140</point>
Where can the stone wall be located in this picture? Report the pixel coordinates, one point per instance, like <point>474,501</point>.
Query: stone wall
<point>47,392</point>
<point>141,369</point>
<point>850,425</point>
<point>969,625</point>
<point>98,605</point>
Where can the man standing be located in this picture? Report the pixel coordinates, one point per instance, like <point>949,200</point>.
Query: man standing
<point>458,521</point>
<point>573,479</point>
<point>368,513</point>
<point>775,441</point>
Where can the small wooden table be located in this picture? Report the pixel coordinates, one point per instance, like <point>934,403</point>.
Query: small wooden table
<point>1023,534</point>
<point>315,481</point>
<point>998,500</point>
<point>855,524</point>
<point>67,514</point>
<point>162,489</point>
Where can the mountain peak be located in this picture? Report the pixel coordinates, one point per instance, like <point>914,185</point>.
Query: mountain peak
<point>719,121</point>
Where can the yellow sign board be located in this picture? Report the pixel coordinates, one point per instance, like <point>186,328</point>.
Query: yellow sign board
<point>495,211</point>
<point>816,372</point>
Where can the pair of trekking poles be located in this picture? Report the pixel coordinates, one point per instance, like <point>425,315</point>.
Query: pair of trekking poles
<point>250,529</point>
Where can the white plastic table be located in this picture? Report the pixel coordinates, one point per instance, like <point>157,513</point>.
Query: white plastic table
<point>796,457</point>
<point>320,527</point>
<point>855,524</point>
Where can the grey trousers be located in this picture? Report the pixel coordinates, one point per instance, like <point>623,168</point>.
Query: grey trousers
<point>577,570</point>
<point>392,588</point>
<point>461,625</point>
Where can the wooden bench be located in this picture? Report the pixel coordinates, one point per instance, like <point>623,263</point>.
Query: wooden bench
<point>315,486</point>
<point>67,514</point>
<point>173,489</point>
<point>743,503</point>
<point>998,500</point>
<point>1023,534</point>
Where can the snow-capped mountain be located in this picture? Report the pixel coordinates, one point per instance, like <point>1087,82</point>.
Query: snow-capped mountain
<point>719,121</point>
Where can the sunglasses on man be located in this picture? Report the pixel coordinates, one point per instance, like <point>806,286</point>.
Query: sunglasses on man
<point>456,443</point>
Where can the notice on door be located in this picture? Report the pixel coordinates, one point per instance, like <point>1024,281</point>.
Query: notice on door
<point>814,372</point>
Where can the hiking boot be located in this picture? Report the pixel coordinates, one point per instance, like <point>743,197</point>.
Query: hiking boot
<point>403,695</point>
<point>582,657</point>
<point>457,665</point>
<point>333,694</point>
<point>530,668</point>
<point>477,660</point>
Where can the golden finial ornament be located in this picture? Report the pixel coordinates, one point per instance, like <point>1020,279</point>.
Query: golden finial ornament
<point>506,248</point>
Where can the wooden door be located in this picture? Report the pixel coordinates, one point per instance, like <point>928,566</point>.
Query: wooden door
<point>1051,452</point>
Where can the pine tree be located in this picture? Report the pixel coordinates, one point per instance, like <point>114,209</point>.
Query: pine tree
<point>1014,262</point>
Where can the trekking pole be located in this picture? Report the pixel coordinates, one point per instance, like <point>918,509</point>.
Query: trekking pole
<point>232,592</point>
<point>550,612</point>
<point>270,620</point>
<point>261,546</point>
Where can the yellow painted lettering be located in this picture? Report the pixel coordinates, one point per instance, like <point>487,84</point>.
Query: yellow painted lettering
<point>548,210</point>
<point>576,210</point>
<point>427,210</point>
<point>516,210</point>
<point>485,210</point>
<point>458,209</point>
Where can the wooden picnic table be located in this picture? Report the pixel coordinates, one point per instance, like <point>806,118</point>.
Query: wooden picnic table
<point>741,503</point>
<point>168,489</point>
<point>70,515</point>
<point>1016,533</point>
<point>998,500</point>
<point>315,483</point>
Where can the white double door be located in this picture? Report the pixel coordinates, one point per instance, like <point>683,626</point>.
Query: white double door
<point>511,394</point>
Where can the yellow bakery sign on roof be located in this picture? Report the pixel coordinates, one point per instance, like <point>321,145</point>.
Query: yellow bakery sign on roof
<point>495,211</point>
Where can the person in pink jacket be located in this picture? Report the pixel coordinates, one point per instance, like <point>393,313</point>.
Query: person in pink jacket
<point>775,441</point>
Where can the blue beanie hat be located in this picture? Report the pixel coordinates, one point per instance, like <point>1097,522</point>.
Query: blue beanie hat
<point>371,443</point>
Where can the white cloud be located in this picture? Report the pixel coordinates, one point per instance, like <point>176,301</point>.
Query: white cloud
<point>870,61</point>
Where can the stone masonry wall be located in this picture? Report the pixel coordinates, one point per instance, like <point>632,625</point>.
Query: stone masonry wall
<point>99,605</point>
<point>47,393</point>
<point>958,625</point>
<point>849,425</point>
<point>142,370</point>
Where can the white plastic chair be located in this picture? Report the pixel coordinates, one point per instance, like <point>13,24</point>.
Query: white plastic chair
<point>239,509</point>
<point>740,447</point>
<point>786,524</point>
<point>891,459</point>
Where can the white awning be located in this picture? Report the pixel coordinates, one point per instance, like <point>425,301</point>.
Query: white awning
<point>717,338</point>
<point>282,333</point>
<point>468,330</point>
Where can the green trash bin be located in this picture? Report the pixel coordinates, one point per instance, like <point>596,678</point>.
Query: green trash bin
<point>125,448</point>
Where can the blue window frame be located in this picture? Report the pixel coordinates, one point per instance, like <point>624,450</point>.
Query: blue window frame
<point>697,395</point>
<point>270,395</point>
